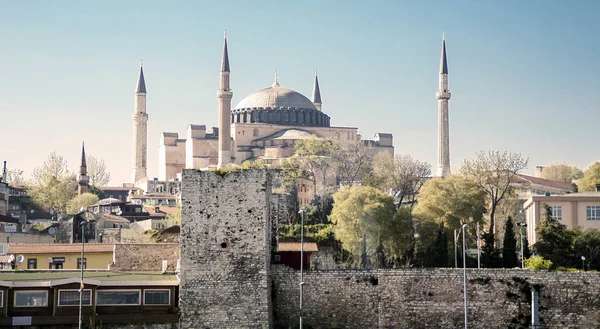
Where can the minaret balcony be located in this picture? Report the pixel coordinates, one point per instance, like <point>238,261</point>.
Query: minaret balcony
<point>443,95</point>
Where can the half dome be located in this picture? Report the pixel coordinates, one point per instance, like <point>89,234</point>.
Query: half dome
<point>275,98</point>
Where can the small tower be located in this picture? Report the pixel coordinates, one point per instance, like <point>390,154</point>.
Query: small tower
<point>140,132</point>
<point>83,179</point>
<point>443,95</point>
<point>316,99</point>
<point>224,96</point>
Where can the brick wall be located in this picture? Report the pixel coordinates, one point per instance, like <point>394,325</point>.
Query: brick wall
<point>225,249</point>
<point>145,256</point>
<point>434,298</point>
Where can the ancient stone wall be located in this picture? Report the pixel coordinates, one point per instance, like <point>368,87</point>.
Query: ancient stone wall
<point>433,298</point>
<point>225,249</point>
<point>145,256</point>
<point>102,326</point>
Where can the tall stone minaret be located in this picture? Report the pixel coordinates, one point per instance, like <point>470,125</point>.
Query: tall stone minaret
<point>443,95</point>
<point>83,180</point>
<point>140,132</point>
<point>224,96</point>
<point>317,93</point>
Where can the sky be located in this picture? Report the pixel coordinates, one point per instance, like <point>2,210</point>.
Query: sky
<point>524,75</point>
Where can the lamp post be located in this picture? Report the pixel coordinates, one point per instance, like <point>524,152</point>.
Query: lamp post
<point>301,264</point>
<point>81,265</point>
<point>583,263</point>
<point>465,273</point>
<point>521,225</point>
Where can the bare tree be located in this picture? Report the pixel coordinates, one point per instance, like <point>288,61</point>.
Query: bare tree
<point>353,161</point>
<point>14,177</point>
<point>54,167</point>
<point>402,176</point>
<point>494,172</point>
<point>96,170</point>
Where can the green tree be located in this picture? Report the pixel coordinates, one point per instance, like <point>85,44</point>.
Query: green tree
<point>353,161</point>
<point>591,177</point>
<point>361,216</point>
<point>490,255</point>
<point>82,201</point>
<point>437,252</point>
<point>494,172</point>
<point>554,241</point>
<point>561,172</point>
<point>509,254</point>
<point>402,175</point>
<point>52,186</point>
<point>538,263</point>
<point>587,243</point>
<point>398,238</point>
<point>454,200</point>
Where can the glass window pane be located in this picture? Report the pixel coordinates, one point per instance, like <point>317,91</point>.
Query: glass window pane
<point>31,299</point>
<point>156,297</point>
<point>71,297</point>
<point>117,297</point>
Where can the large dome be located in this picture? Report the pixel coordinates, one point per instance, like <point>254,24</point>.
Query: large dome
<point>275,98</point>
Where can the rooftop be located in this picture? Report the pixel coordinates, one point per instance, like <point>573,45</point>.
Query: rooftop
<point>295,246</point>
<point>545,182</point>
<point>57,248</point>
<point>50,278</point>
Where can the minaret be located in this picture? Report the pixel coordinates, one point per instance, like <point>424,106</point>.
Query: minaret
<point>443,95</point>
<point>224,96</point>
<point>140,132</point>
<point>83,179</point>
<point>317,93</point>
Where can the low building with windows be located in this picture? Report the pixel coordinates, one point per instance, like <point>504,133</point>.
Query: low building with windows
<point>62,256</point>
<point>574,209</point>
<point>52,298</point>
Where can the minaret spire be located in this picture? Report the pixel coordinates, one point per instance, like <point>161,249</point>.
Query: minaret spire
<point>224,96</point>
<point>140,132</point>
<point>317,93</point>
<point>83,180</point>
<point>276,82</point>
<point>443,95</point>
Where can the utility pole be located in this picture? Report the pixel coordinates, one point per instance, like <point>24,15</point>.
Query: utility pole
<point>455,247</point>
<point>301,265</point>
<point>465,273</point>
<point>478,248</point>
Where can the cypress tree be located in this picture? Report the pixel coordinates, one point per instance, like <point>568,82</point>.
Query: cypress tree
<point>509,255</point>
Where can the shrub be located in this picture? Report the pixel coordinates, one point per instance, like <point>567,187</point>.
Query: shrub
<point>538,263</point>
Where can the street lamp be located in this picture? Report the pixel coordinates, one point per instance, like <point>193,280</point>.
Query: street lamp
<point>81,265</point>
<point>301,263</point>
<point>583,263</point>
<point>465,273</point>
<point>521,225</point>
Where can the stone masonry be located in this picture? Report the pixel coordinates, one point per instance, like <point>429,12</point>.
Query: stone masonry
<point>225,249</point>
<point>145,256</point>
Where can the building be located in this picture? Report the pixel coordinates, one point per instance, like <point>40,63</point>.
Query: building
<point>52,298</point>
<point>575,209</point>
<point>263,125</point>
<point>528,186</point>
<point>62,256</point>
<point>288,253</point>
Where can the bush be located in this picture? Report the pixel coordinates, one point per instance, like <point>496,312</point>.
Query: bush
<point>538,263</point>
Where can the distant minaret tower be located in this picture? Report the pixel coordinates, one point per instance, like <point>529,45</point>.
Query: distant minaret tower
<point>443,95</point>
<point>224,96</point>
<point>140,132</point>
<point>317,93</point>
<point>83,179</point>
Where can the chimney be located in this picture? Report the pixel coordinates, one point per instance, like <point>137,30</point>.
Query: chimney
<point>597,187</point>
<point>538,171</point>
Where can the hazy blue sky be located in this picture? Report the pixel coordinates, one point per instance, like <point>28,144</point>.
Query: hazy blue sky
<point>524,75</point>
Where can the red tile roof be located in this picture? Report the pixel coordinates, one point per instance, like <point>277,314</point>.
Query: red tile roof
<point>57,248</point>
<point>546,182</point>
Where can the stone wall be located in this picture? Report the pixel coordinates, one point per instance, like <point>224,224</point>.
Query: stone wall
<point>25,238</point>
<point>433,298</point>
<point>145,256</point>
<point>225,249</point>
<point>329,257</point>
<point>102,326</point>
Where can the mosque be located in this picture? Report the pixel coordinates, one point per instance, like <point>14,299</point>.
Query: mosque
<point>264,125</point>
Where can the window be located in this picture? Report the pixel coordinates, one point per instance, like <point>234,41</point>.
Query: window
<point>592,213</point>
<point>69,297</point>
<point>1,298</point>
<point>31,298</point>
<point>32,263</point>
<point>79,263</point>
<point>157,297</point>
<point>556,212</point>
<point>118,297</point>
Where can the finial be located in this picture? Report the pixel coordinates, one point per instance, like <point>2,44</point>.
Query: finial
<point>276,83</point>
<point>141,62</point>
<point>225,34</point>
<point>316,72</point>
<point>444,36</point>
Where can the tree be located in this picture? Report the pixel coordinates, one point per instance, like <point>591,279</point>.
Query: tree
<point>96,170</point>
<point>437,252</point>
<point>490,256</point>
<point>494,172</point>
<point>554,241</point>
<point>454,201</point>
<point>538,263</point>
<point>561,172</point>
<point>353,161</point>
<point>402,175</point>
<point>509,249</point>
<point>52,187</point>
<point>360,217</point>
<point>591,177</point>
<point>587,243</point>
<point>174,219</point>
<point>82,201</point>
<point>14,177</point>
<point>398,238</point>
